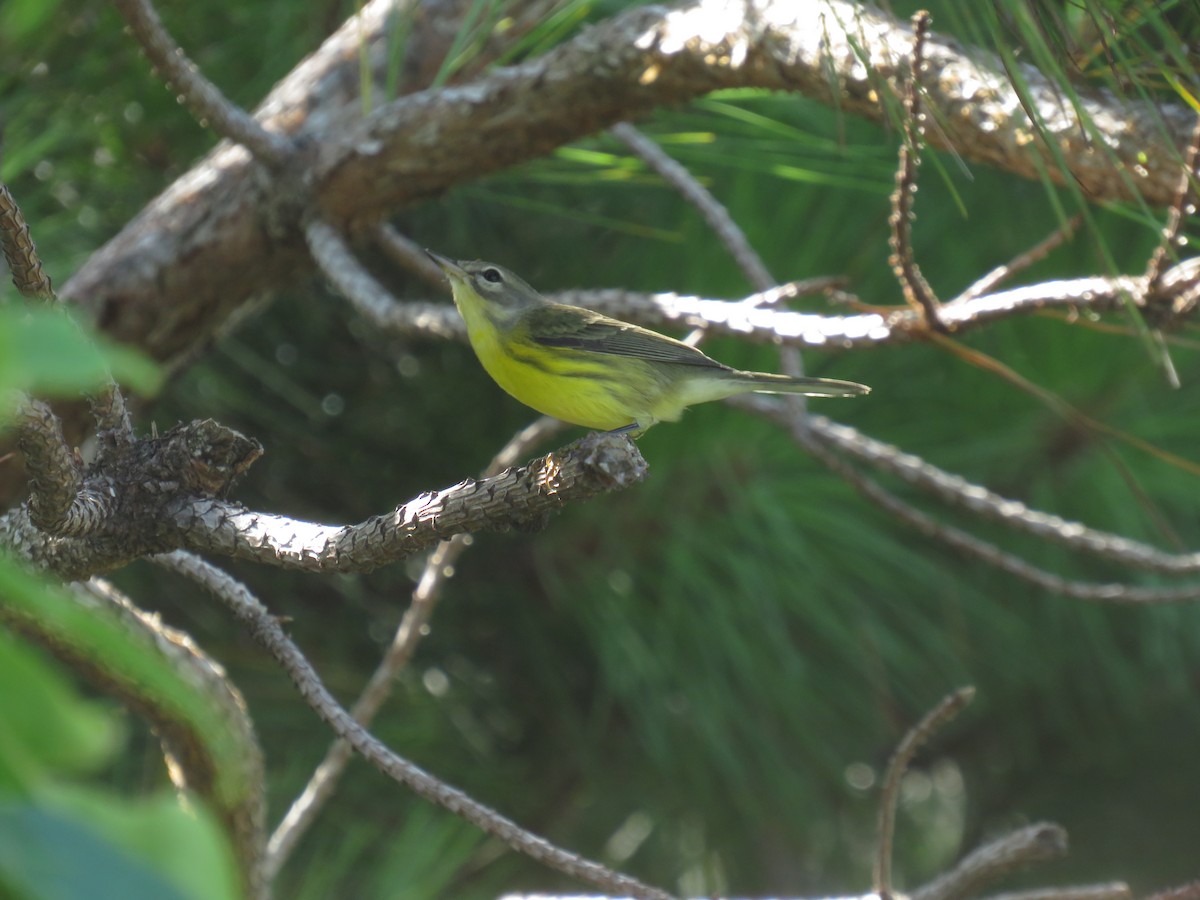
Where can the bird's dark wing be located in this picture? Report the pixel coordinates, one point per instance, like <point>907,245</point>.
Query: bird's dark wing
<point>594,333</point>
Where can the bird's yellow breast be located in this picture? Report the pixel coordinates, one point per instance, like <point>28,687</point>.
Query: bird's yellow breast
<point>579,387</point>
<point>567,385</point>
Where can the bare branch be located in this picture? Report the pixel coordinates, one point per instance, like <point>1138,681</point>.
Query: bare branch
<point>371,299</point>
<point>1036,253</point>
<point>713,212</point>
<point>1113,890</point>
<point>521,497</point>
<point>204,100</point>
<point>995,859</point>
<point>957,491</point>
<point>950,706</point>
<point>20,252</point>
<point>958,539</point>
<point>916,289</point>
<point>437,570</point>
<point>266,631</point>
<point>212,251</point>
<point>780,326</point>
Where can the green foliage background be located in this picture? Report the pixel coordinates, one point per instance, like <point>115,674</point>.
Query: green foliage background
<point>689,678</point>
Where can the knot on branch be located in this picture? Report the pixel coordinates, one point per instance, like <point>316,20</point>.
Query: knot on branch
<point>82,519</point>
<point>203,457</point>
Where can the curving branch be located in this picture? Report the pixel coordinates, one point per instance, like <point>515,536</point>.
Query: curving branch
<point>916,289</point>
<point>995,859</point>
<point>436,572</point>
<point>956,491</point>
<point>204,100</point>
<point>949,707</point>
<point>20,252</point>
<point>267,632</point>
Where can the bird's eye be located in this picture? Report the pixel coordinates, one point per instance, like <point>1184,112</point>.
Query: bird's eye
<point>491,275</point>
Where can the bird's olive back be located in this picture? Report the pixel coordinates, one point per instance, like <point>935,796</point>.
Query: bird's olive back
<point>498,285</point>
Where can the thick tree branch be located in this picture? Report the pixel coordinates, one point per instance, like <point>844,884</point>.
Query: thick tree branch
<point>520,497</point>
<point>204,246</point>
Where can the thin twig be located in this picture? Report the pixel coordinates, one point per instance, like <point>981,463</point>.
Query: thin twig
<point>324,780</point>
<point>712,210</point>
<point>985,551</point>
<point>20,253</point>
<point>1180,209</point>
<point>203,99</point>
<point>950,706</point>
<point>368,296</point>
<point>266,631</point>
<point>1113,890</point>
<point>995,859</point>
<point>916,289</point>
<point>1022,261</point>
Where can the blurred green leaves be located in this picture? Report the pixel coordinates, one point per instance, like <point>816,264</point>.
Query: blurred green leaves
<point>61,835</point>
<point>43,351</point>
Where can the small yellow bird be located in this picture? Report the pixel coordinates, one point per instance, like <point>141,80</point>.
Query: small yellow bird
<point>590,370</point>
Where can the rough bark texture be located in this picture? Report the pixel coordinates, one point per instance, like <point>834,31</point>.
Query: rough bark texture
<point>165,493</point>
<point>225,232</point>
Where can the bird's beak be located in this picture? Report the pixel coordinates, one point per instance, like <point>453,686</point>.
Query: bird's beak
<point>454,272</point>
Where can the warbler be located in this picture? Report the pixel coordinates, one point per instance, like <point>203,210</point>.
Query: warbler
<point>591,370</point>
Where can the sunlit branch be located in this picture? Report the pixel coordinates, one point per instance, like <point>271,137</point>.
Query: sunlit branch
<point>521,497</point>
<point>916,289</point>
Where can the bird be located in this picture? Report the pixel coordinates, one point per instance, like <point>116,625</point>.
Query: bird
<point>588,369</point>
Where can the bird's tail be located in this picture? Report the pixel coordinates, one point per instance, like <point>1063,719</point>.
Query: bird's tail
<point>768,383</point>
